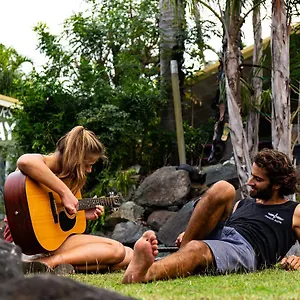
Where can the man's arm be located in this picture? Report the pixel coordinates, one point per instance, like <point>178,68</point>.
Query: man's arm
<point>292,262</point>
<point>235,206</point>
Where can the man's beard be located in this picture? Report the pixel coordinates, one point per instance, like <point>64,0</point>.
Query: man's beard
<point>263,194</point>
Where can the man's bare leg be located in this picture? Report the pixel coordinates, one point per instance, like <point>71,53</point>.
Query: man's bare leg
<point>193,254</point>
<point>196,255</point>
<point>215,206</point>
<point>145,251</point>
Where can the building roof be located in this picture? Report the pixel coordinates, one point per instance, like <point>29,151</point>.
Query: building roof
<point>204,84</point>
<point>213,69</point>
<point>247,53</point>
<point>8,101</point>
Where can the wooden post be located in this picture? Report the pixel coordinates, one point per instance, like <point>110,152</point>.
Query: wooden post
<point>177,110</point>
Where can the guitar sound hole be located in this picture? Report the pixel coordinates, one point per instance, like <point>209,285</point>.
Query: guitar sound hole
<point>65,222</point>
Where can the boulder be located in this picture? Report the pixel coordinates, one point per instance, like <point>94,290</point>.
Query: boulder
<point>131,211</point>
<point>10,261</point>
<point>158,218</point>
<point>175,225</point>
<point>128,233</point>
<point>2,228</point>
<point>225,171</point>
<point>165,187</point>
<point>54,287</point>
<point>13,284</point>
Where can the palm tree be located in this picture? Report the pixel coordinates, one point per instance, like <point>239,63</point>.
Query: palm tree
<point>10,69</point>
<point>171,47</point>
<point>171,22</point>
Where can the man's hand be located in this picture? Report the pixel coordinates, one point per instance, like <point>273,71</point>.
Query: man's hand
<point>290,263</point>
<point>179,239</point>
<point>94,213</point>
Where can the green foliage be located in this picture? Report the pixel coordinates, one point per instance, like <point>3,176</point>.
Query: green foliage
<point>116,129</point>
<point>94,226</point>
<point>48,111</point>
<point>102,76</point>
<point>103,179</point>
<point>196,140</point>
<point>119,182</point>
<point>123,181</point>
<point>102,72</point>
<point>10,73</point>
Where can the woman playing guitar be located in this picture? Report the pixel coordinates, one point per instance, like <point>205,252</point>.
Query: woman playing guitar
<point>64,172</point>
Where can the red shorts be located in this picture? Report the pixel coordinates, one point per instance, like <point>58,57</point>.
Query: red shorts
<point>7,234</point>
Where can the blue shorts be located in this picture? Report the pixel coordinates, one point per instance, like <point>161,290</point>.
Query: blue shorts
<point>231,251</point>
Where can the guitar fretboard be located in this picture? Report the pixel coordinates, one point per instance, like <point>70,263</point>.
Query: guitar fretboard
<point>87,203</point>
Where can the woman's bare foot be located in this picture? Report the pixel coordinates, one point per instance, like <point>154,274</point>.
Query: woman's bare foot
<point>145,251</point>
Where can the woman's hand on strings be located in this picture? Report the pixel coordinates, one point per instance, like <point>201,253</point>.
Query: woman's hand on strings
<point>94,213</point>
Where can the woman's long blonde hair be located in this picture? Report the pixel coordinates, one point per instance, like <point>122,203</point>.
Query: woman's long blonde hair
<point>75,148</point>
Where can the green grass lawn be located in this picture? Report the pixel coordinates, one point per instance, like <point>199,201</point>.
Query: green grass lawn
<point>268,284</point>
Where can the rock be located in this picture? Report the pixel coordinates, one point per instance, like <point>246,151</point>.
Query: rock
<point>158,218</point>
<point>225,171</point>
<point>54,287</point>
<point>175,225</point>
<point>165,187</point>
<point>2,228</point>
<point>173,208</point>
<point>131,211</point>
<point>111,221</point>
<point>195,173</point>
<point>10,261</point>
<point>13,284</point>
<point>128,233</point>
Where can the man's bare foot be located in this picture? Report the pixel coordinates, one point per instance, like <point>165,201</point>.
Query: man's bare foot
<point>145,251</point>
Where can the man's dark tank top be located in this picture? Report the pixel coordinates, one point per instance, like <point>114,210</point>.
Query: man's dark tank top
<point>268,228</point>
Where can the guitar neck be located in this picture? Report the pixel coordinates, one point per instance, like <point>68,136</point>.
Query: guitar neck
<point>87,203</point>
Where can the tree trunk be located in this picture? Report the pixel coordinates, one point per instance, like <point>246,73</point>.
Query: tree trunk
<point>257,82</point>
<point>281,111</point>
<point>232,74</point>
<point>171,48</point>
<point>237,132</point>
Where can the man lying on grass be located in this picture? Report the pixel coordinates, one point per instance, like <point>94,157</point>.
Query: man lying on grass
<point>257,234</point>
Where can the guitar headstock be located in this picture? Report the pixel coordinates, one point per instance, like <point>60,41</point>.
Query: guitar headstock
<point>115,200</point>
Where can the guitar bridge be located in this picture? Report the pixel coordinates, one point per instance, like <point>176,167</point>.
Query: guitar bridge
<point>53,208</point>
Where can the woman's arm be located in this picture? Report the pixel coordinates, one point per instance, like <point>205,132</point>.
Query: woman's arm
<point>42,169</point>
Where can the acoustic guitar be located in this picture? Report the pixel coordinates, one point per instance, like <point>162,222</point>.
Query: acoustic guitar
<point>37,218</point>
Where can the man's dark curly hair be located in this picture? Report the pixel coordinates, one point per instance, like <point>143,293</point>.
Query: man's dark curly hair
<point>279,170</point>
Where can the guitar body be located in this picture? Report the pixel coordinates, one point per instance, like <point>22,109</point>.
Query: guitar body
<point>36,216</point>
